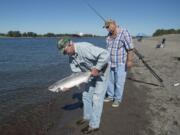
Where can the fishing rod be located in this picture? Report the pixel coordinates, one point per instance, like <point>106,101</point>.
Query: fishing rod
<point>95,11</point>
<point>148,67</point>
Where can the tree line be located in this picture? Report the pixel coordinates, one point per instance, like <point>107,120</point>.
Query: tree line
<point>32,34</point>
<point>160,32</point>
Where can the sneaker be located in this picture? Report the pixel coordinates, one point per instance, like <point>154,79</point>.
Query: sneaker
<point>115,103</point>
<point>89,130</point>
<point>81,121</point>
<point>108,99</point>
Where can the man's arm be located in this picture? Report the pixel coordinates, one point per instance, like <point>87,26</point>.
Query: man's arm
<point>97,54</point>
<point>129,48</point>
<point>102,59</point>
<point>129,58</point>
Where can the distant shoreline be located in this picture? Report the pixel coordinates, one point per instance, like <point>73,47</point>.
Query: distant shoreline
<point>1,37</point>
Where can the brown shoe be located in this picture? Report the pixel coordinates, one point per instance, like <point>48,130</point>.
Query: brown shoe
<point>81,121</point>
<point>88,130</point>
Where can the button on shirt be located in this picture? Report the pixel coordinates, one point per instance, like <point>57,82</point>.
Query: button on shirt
<point>119,46</point>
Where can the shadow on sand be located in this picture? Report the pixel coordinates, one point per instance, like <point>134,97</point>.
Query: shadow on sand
<point>75,105</point>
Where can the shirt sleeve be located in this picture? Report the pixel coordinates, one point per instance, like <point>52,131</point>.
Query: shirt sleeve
<point>102,59</point>
<point>128,40</point>
<point>100,55</point>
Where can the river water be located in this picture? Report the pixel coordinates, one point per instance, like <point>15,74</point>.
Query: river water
<point>27,67</point>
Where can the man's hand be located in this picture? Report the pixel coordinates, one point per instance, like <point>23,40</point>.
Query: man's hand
<point>129,64</point>
<point>94,72</point>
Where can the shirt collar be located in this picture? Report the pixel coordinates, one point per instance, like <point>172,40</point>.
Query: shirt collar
<point>75,49</point>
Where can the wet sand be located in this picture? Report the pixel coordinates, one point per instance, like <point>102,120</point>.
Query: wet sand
<point>129,118</point>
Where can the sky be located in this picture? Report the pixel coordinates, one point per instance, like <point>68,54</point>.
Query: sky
<point>74,16</point>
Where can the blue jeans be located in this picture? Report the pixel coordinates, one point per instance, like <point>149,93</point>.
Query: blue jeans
<point>93,98</point>
<point>116,82</point>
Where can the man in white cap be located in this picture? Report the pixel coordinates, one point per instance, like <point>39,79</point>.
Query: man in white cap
<point>120,46</point>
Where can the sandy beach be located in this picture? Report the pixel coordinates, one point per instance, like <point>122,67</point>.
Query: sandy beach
<point>164,103</point>
<point>146,109</point>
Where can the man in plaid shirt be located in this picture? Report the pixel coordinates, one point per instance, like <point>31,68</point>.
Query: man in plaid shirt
<point>120,46</point>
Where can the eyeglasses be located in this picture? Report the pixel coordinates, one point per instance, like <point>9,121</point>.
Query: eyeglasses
<point>107,27</point>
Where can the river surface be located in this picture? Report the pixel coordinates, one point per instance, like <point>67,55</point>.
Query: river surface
<point>27,67</point>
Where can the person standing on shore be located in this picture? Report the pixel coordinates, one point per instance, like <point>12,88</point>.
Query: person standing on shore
<point>120,47</point>
<point>84,56</point>
<point>163,43</point>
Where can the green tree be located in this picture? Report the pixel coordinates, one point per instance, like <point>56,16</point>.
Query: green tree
<point>14,34</point>
<point>49,35</point>
<point>31,34</point>
<point>24,34</point>
<point>178,31</point>
<point>160,32</point>
<point>2,34</point>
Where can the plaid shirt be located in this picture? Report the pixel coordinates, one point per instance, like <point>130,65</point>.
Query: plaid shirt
<point>119,46</point>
